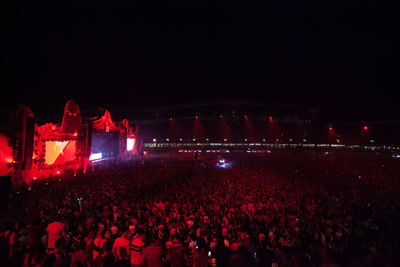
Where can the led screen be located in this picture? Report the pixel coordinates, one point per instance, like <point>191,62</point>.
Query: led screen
<point>130,144</point>
<point>60,152</point>
<point>95,156</point>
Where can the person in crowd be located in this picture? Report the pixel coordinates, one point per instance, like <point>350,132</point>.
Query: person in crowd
<point>221,253</point>
<point>136,249</point>
<point>176,252</point>
<point>98,244</point>
<point>106,258</point>
<point>55,231</point>
<point>154,252</point>
<point>33,244</point>
<point>121,250</point>
<point>80,257</point>
<point>201,252</point>
<point>60,253</point>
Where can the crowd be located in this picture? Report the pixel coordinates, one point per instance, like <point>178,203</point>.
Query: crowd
<point>275,209</point>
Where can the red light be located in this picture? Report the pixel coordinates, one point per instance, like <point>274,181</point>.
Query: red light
<point>34,178</point>
<point>58,172</point>
<point>170,119</point>
<point>245,116</point>
<point>330,128</point>
<point>365,128</point>
<point>270,119</point>
<point>197,117</point>
<point>220,116</point>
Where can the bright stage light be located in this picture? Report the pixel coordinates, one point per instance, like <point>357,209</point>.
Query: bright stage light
<point>222,163</point>
<point>95,156</point>
<point>130,144</point>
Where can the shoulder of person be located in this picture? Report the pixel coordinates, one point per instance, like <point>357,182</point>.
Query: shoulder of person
<point>137,242</point>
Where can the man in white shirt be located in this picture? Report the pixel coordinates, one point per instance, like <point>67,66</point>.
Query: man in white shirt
<point>121,249</point>
<point>55,231</point>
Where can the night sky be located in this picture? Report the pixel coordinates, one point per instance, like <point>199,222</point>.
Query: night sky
<point>336,56</point>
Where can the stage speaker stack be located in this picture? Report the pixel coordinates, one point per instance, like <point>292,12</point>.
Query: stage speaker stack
<point>29,140</point>
<point>86,142</point>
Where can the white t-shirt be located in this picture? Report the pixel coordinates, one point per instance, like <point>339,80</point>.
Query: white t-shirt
<point>55,231</point>
<point>98,244</point>
<point>120,242</point>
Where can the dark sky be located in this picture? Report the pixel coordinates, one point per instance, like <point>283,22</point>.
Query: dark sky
<point>335,55</point>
